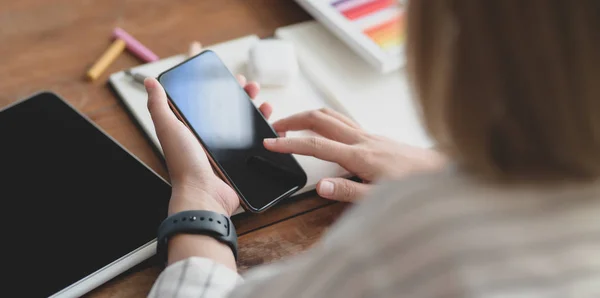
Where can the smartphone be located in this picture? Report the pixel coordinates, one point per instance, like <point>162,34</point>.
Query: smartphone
<point>208,99</point>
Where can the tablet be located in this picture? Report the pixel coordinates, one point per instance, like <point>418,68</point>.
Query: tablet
<point>77,208</point>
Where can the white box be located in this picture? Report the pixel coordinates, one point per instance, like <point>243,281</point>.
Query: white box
<point>272,62</point>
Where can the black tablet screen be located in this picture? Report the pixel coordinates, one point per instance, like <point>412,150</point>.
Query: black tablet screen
<point>73,201</point>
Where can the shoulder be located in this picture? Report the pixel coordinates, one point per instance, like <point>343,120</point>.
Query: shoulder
<point>392,238</point>
<point>391,201</point>
<point>394,195</point>
<point>422,185</point>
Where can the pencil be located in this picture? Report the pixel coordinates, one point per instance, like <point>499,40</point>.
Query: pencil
<point>115,49</point>
<point>137,77</point>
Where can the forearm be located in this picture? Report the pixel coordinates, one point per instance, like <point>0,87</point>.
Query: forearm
<point>198,265</point>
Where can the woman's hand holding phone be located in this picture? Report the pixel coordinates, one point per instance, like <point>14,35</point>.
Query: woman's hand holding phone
<point>195,185</point>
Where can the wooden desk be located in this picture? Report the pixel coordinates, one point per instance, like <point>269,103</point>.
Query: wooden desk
<point>50,44</point>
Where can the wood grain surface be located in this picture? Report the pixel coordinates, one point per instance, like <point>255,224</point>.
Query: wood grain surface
<point>49,45</point>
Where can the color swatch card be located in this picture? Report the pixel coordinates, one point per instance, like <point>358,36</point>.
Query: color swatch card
<point>372,28</point>
<point>380,20</point>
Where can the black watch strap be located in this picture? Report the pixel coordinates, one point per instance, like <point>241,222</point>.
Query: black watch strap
<point>200,222</point>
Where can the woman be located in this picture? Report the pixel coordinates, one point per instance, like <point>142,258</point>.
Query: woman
<point>509,90</point>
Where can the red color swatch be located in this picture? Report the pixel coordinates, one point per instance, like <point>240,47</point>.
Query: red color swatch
<point>367,8</point>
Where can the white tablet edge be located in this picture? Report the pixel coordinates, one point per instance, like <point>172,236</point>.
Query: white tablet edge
<point>108,272</point>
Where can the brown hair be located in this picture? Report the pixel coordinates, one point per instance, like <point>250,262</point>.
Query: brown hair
<point>510,87</point>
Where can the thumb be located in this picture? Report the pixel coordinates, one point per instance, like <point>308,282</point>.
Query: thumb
<point>165,121</point>
<point>157,98</point>
<point>341,189</point>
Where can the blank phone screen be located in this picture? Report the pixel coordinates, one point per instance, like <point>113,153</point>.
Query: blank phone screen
<point>232,130</point>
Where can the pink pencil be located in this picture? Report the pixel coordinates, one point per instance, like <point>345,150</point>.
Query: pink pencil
<point>134,46</point>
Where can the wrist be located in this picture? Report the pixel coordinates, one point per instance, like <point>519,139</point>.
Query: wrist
<point>186,199</point>
<point>198,233</point>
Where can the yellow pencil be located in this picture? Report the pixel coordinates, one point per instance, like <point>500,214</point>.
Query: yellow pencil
<point>106,59</point>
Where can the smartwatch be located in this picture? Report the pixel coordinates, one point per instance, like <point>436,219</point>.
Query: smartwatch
<point>200,222</point>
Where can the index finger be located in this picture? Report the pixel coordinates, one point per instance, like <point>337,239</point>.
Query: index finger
<point>321,123</point>
<point>312,146</point>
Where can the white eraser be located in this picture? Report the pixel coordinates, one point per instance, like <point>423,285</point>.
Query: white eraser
<point>272,62</point>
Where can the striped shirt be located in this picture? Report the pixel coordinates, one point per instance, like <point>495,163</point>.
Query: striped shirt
<point>439,235</point>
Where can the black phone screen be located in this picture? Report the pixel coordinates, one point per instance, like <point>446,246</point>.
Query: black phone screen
<point>229,126</point>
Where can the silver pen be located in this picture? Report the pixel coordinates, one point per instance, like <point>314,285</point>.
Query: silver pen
<point>136,76</point>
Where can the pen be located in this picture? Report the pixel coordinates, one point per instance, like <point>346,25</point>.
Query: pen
<point>137,77</point>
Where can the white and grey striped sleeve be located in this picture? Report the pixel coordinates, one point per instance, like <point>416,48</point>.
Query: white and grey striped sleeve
<point>195,277</point>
